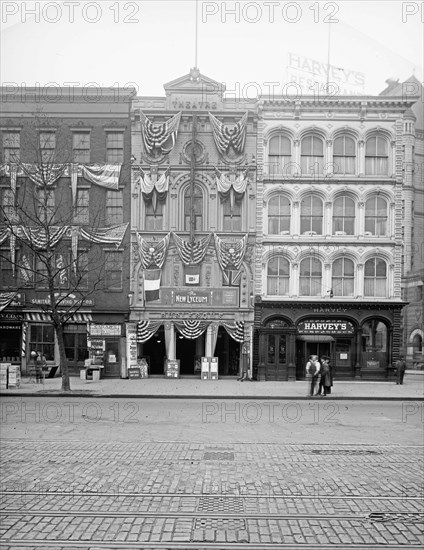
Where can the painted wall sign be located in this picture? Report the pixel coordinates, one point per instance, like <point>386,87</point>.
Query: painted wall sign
<point>325,326</point>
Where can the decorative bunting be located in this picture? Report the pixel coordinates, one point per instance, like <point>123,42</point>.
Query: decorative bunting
<point>152,254</point>
<point>231,186</point>
<point>6,298</point>
<point>230,253</point>
<point>225,138</point>
<point>235,330</point>
<point>155,136</point>
<point>191,329</point>
<point>106,175</point>
<point>192,253</point>
<point>145,330</point>
<point>152,284</point>
<point>44,175</point>
<point>41,237</point>
<point>74,182</point>
<point>152,188</point>
<point>106,235</point>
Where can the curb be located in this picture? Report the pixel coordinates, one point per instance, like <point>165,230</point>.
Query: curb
<point>210,397</point>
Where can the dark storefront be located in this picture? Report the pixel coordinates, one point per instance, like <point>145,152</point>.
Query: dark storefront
<point>362,340</point>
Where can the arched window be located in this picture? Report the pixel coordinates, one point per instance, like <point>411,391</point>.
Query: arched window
<point>343,216</point>
<point>376,156</point>
<point>279,215</point>
<point>311,215</point>
<point>196,210</point>
<point>279,154</point>
<point>344,155</point>
<point>375,277</point>
<point>343,277</point>
<point>417,343</point>
<point>376,216</point>
<point>310,277</point>
<point>312,155</point>
<point>278,276</point>
<point>374,337</point>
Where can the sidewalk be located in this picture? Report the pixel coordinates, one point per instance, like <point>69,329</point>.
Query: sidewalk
<point>162,388</point>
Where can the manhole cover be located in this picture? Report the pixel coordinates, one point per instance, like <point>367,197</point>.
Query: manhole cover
<point>220,504</point>
<point>396,517</point>
<point>345,452</point>
<point>230,524</point>
<point>213,455</point>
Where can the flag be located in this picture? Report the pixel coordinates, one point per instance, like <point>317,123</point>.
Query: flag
<point>231,277</point>
<point>192,274</point>
<point>151,284</point>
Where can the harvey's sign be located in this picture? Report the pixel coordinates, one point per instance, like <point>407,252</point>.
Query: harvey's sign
<point>325,326</point>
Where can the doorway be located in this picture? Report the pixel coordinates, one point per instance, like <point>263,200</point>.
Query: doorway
<point>311,345</point>
<point>112,367</point>
<point>154,352</point>
<point>228,352</point>
<point>275,356</point>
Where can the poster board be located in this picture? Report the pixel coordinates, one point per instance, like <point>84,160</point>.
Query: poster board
<point>143,367</point>
<point>172,368</point>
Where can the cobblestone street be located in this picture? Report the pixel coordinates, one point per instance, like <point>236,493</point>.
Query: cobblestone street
<point>85,493</point>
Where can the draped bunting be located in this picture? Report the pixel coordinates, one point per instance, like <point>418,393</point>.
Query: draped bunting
<point>155,136</point>
<point>235,330</point>
<point>230,253</point>
<point>152,188</point>
<point>4,233</point>
<point>106,175</point>
<point>192,253</point>
<point>146,329</point>
<point>224,137</point>
<point>43,174</point>
<point>6,298</point>
<point>40,237</point>
<point>152,254</point>
<point>105,235</point>
<point>191,329</point>
<point>231,186</point>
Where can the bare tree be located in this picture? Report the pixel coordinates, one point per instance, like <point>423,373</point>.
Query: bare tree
<point>51,236</point>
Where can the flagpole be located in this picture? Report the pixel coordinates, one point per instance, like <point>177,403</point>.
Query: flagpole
<point>192,178</point>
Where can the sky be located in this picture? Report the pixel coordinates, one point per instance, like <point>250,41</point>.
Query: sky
<point>247,44</point>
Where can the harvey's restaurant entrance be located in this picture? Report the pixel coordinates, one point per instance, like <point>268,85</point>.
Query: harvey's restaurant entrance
<point>362,342</point>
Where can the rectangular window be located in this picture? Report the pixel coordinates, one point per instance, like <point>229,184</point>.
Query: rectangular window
<point>82,270</point>
<point>232,219</point>
<point>41,273</point>
<point>114,147</point>
<point>47,147</point>
<point>7,279</point>
<point>154,219</point>
<point>8,205</point>
<point>46,205</point>
<point>81,209</point>
<point>42,339</point>
<point>11,146</point>
<point>114,208</point>
<point>113,268</point>
<point>81,147</point>
<point>26,269</point>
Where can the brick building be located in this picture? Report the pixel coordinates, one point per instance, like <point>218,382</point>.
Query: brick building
<point>69,151</point>
<point>193,226</point>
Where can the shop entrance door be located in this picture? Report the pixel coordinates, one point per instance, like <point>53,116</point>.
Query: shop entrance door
<point>112,367</point>
<point>311,345</point>
<point>275,350</point>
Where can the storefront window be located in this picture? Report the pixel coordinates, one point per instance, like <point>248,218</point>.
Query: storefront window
<point>42,339</point>
<point>374,336</point>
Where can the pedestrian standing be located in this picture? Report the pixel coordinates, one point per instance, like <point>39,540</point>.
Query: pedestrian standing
<point>325,383</point>
<point>313,370</point>
<point>39,363</point>
<point>400,366</point>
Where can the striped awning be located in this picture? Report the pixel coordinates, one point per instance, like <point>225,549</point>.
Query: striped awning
<point>42,317</point>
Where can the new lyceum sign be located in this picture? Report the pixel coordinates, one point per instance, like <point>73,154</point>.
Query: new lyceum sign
<point>325,326</point>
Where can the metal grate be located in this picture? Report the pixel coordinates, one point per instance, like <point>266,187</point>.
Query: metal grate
<point>220,504</point>
<point>212,455</point>
<point>396,517</point>
<point>230,524</point>
<point>345,452</point>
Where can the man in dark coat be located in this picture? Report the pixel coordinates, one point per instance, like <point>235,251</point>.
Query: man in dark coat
<point>400,369</point>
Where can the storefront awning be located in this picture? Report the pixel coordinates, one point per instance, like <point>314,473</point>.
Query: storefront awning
<point>316,338</point>
<point>41,317</point>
